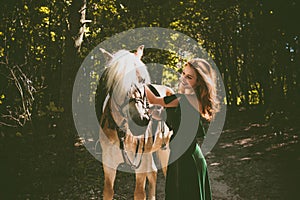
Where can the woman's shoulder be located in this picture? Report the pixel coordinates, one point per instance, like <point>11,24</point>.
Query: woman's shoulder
<point>181,97</point>
<point>193,101</point>
<point>163,89</point>
<point>172,97</point>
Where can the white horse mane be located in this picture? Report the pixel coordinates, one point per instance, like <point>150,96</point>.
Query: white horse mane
<point>124,70</point>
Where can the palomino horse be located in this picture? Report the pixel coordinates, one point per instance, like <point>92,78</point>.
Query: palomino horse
<point>128,134</point>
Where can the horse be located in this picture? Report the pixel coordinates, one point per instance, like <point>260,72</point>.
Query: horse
<point>128,134</point>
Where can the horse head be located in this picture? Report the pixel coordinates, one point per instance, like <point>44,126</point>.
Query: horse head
<point>126,76</point>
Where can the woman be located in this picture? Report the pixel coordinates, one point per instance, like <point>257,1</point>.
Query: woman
<point>187,176</point>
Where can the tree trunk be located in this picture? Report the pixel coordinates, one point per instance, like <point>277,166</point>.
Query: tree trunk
<point>70,64</point>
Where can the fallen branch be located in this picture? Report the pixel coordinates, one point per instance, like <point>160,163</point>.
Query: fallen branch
<point>18,115</point>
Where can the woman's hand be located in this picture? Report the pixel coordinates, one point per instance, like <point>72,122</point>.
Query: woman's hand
<point>158,100</point>
<point>152,98</point>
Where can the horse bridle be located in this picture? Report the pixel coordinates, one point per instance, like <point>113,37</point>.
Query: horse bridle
<point>147,108</point>
<point>122,129</point>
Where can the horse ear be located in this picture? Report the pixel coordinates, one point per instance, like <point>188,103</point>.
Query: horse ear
<point>139,51</point>
<point>108,56</point>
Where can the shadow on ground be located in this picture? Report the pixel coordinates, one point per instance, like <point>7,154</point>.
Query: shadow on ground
<point>252,160</point>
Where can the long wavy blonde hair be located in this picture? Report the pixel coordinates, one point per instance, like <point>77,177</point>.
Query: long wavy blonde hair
<point>206,91</point>
<point>125,69</point>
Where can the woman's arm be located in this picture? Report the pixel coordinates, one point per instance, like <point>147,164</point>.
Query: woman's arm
<point>159,100</point>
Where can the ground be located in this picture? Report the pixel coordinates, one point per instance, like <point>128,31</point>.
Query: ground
<point>252,160</point>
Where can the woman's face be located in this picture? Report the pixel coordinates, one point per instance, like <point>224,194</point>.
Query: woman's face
<point>188,77</point>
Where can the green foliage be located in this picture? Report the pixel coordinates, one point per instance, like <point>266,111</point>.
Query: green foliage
<point>43,9</point>
<point>254,44</point>
<point>53,108</point>
<point>2,97</point>
<point>254,97</point>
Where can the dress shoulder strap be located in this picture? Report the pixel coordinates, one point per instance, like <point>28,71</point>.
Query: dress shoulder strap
<point>169,99</point>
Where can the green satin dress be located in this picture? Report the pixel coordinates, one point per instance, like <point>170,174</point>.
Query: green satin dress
<point>187,177</point>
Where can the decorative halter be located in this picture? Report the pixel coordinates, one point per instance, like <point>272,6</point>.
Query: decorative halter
<point>122,129</point>
<point>133,113</point>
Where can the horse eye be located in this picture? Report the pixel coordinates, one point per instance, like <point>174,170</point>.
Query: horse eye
<point>141,80</point>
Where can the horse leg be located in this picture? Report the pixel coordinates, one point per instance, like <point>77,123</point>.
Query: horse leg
<point>109,178</point>
<point>152,177</point>
<point>139,192</point>
<point>163,157</point>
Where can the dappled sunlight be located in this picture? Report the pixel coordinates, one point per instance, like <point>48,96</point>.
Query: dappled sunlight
<point>90,140</point>
<point>80,142</point>
<point>252,153</point>
<point>243,141</point>
<point>228,131</point>
<point>248,145</point>
<point>215,164</point>
<point>256,125</point>
<point>223,146</point>
<point>254,145</point>
<point>260,136</point>
<point>281,145</point>
<point>245,158</point>
<point>231,157</point>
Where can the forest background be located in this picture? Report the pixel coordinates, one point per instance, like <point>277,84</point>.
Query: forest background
<point>255,45</point>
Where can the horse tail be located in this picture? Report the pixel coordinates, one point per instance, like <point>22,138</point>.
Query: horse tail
<point>101,93</point>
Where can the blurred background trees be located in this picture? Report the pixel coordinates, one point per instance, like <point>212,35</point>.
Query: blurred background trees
<point>255,45</point>
<point>42,44</point>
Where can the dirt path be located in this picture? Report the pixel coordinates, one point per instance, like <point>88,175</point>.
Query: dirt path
<point>256,161</point>
<point>250,161</point>
<point>87,182</point>
<point>220,189</point>
<point>243,165</point>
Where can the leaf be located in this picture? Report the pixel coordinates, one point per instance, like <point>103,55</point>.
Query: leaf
<point>1,51</point>
<point>45,10</point>
<point>18,134</point>
<point>52,34</point>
